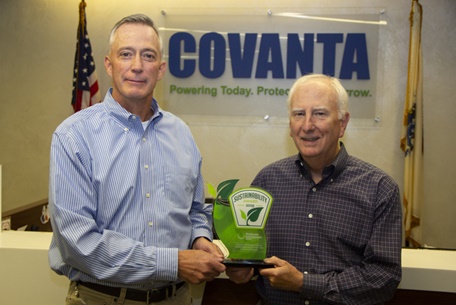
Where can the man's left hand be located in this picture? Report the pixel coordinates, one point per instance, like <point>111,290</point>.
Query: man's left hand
<point>204,244</point>
<point>284,275</point>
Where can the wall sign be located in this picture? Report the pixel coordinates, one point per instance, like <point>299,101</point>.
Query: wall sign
<point>244,65</point>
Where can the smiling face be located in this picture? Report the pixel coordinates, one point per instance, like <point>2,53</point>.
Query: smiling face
<point>134,63</point>
<point>314,122</point>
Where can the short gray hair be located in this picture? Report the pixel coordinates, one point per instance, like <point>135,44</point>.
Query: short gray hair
<point>339,90</point>
<point>138,19</point>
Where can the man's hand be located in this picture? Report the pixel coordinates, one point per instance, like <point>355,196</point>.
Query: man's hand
<point>239,275</point>
<point>202,243</point>
<point>203,263</point>
<point>284,275</point>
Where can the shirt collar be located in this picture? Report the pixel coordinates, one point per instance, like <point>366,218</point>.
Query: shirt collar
<point>121,114</point>
<point>331,171</point>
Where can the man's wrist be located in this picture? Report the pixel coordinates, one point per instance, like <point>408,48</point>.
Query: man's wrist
<point>199,237</point>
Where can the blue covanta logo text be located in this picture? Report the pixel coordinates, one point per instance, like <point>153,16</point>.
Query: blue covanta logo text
<point>247,59</point>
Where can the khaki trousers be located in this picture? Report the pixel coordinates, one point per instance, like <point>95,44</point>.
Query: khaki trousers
<point>80,295</point>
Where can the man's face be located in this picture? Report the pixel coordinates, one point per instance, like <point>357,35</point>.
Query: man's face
<point>314,123</point>
<point>134,63</point>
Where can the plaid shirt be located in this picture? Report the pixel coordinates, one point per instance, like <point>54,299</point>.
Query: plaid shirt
<point>344,233</point>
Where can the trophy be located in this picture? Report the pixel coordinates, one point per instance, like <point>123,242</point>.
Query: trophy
<point>239,220</point>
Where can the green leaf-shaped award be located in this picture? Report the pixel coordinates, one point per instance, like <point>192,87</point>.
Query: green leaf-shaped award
<point>239,220</point>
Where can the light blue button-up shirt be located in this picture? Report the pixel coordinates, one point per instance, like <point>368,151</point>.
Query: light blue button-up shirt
<point>124,199</point>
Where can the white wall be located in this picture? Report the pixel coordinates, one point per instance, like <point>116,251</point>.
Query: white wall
<point>37,50</point>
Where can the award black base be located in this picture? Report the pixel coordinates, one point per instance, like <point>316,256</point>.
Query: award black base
<point>246,263</point>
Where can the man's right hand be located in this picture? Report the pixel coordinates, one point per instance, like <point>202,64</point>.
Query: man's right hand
<point>197,266</point>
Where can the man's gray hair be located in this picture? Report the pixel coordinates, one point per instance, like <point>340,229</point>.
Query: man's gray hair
<point>138,19</point>
<point>334,83</point>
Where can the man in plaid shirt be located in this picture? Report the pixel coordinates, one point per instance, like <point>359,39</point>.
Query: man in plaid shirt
<point>335,228</point>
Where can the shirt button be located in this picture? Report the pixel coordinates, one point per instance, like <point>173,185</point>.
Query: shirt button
<point>146,166</point>
<point>148,195</point>
<point>150,223</point>
<point>133,117</point>
<point>144,139</point>
<point>305,272</point>
<point>314,189</point>
<point>310,216</point>
<point>307,244</point>
<point>307,302</point>
<point>125,129</point>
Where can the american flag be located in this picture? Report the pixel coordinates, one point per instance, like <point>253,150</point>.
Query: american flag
<point>85,81</point>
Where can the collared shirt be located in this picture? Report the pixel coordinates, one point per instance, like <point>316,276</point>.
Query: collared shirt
<point>124,199</point>
<point>344,233</point>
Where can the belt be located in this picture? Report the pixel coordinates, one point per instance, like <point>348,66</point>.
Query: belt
<point>148,296</point>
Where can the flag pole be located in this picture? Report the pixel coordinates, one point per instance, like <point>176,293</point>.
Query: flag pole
<point>412,139</point>
<point>82,7</point>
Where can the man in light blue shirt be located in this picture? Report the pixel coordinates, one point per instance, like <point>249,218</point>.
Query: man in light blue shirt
<point>126,192</point>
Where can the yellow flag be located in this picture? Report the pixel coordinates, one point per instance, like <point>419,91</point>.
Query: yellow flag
<point>412,132</point>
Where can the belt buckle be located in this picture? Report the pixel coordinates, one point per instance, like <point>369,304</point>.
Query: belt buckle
<point>154,292</point>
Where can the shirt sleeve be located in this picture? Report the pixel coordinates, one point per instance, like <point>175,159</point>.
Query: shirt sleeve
<point>379,274</point>
<point>201,213</point>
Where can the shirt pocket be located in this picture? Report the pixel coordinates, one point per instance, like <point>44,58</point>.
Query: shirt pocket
<point>179,186</point>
